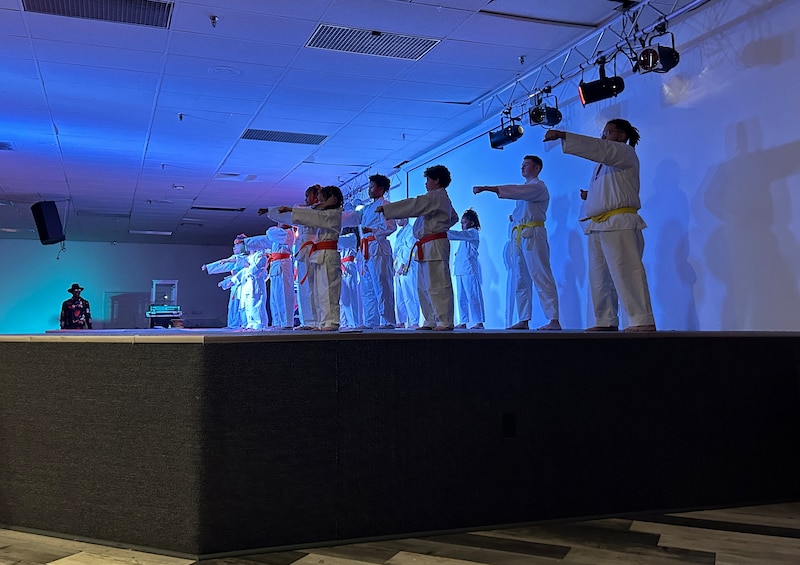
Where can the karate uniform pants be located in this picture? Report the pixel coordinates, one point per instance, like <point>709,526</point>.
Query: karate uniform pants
<point>616,274</point>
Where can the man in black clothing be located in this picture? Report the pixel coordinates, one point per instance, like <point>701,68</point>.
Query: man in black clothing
<point>75,312</point>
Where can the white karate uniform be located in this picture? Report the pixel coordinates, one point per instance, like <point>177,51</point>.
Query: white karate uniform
<point>511,282</point>
<point>306,307</point>
<point>254,290</point>
<point>325,266</point>
<point>280,272</point>
<point>350,308</point>
<point>531,248</point>
<point>467,271</point>
<point>616,244</point>
<point>434,284</point>
<point>405,277</point>
<point>231,265</point>
<point>377,294</point>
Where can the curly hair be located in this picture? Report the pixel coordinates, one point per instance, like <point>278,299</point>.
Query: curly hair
<point>381,181</point>
<point>439,173</point>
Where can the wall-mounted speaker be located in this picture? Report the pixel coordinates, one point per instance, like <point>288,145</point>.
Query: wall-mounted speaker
<point>48,222</point>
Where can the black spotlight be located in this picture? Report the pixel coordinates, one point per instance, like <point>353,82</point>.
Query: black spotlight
<point>505,135</point>
<point>544,115</point>
<point>655,57</point>
<point>602,88</point>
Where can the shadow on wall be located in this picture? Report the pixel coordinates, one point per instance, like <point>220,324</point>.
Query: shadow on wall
<point>571,274</point>
<point>673,279</point>
<point>753,252</point>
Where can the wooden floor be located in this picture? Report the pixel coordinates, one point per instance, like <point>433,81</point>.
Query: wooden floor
<point>760,535</point>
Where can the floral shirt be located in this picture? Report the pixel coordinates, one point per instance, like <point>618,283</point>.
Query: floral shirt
<point>76,314</point>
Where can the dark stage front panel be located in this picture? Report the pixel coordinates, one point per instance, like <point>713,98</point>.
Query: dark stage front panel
<point>233,444</point>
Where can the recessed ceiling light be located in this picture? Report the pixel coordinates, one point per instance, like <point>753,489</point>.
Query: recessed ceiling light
<point>149,232</point>
<point>224,70</point>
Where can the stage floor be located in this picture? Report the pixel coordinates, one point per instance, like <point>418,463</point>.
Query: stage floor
<point>226,335</point>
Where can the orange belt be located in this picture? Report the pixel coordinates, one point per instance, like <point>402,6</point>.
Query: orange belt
<point>276,257</point>
<point>423,240</point>
<point>329,245</point>
<point>365,246</point>
<point>347,260</point>
<point>306,244</point>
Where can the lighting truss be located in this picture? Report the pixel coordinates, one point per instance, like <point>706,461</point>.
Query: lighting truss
<point>615,37</point>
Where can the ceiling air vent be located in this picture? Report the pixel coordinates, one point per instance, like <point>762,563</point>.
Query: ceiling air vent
<point>139,12</point>
<point>284,136</point>
<point>370,42</point>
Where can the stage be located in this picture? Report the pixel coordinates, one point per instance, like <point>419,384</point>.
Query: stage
<point>206,443</point>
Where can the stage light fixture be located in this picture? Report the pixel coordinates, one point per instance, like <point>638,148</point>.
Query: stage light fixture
<point>602,88</point>
<point>544,115</point>
<point>506,134</point>
<point>657,58</point>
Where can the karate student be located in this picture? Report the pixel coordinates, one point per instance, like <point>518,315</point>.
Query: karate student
<point>613,225</point>
<point>405,276</point>
<point>377,292</point>
<point>529,245</point>
<point>348,243</point>
<point>278,241</point>
<point>435,215</point>
<point>467,271</point>
<point>325,267</point>
<point>231,265</point>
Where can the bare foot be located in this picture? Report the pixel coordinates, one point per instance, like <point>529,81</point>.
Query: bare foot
<point>461,326</point>
<point>423,328</point>
<point>478,326</point>
<point>521,325</point>
<point>443,329</point>
<point>640,329</point>
<point>602,329</point>
<point>552,325</point>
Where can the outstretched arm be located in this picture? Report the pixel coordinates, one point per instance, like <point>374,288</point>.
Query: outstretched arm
<point>554,134</point>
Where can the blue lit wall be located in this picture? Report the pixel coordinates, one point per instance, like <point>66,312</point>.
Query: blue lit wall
<point>114,278</point>
<point>720,156</point>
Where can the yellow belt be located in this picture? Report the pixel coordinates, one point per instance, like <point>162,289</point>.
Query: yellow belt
<point>606,215</point>
<point>519,227</point>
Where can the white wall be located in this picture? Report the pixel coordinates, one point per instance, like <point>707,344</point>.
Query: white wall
<point>37,278</point>
<point>720,155</point>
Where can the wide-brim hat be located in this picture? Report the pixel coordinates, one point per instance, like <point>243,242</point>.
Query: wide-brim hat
<point>74,287</point>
